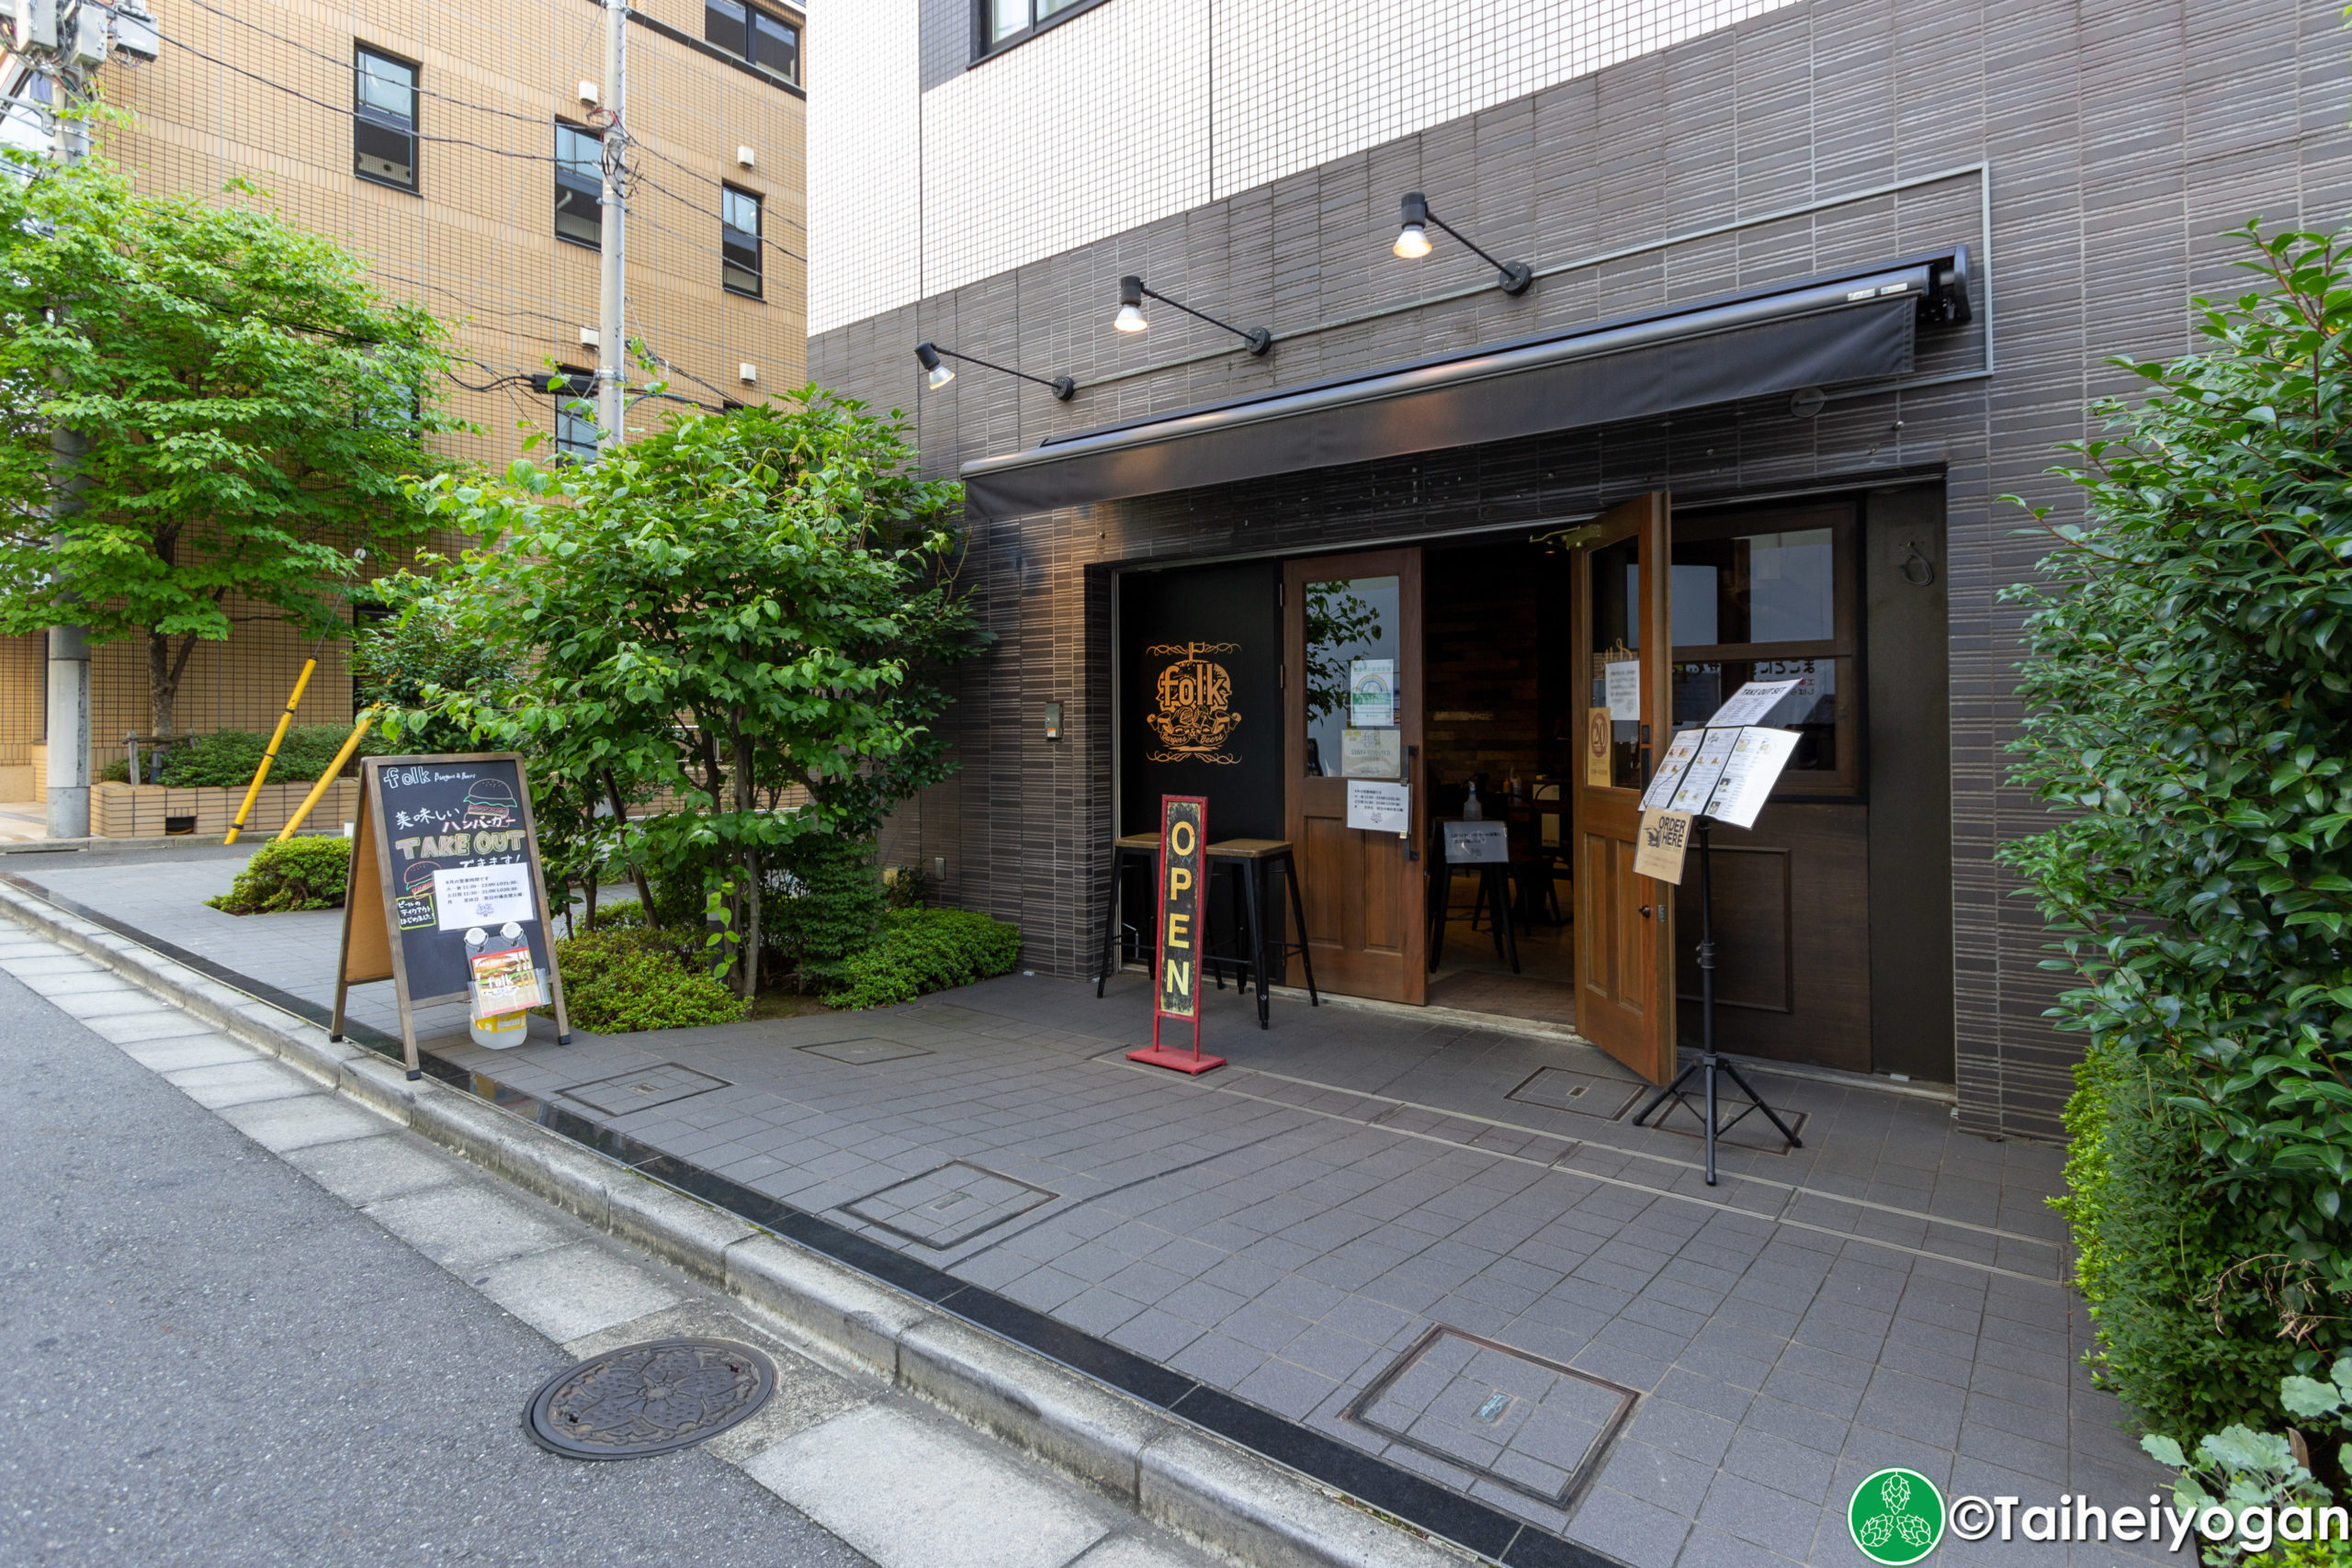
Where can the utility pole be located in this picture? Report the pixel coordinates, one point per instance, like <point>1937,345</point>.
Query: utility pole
<point>612,345</point>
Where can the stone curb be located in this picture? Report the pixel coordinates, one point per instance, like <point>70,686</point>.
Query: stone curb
<point>1234,1502</point>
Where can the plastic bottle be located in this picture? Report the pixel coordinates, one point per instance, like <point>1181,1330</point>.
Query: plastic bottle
<point>1470,810</point>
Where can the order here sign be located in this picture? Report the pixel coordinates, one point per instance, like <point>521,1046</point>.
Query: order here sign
<point>1176,965</point>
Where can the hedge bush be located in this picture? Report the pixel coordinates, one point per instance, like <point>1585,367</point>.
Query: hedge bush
<point>299,873</point>
<point>226,759</point>
<point>2189,724</point>
<point>924,950</point>
<point>619,981</point>
<point>826,905</point>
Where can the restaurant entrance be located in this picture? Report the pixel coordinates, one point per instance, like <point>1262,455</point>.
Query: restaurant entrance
<point>1525,681</point>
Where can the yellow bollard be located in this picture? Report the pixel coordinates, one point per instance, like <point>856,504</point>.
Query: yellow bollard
<point>335,768</point>
<point>270,756</point>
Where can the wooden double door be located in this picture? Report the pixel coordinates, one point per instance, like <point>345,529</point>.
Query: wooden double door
<point>1352,688</point>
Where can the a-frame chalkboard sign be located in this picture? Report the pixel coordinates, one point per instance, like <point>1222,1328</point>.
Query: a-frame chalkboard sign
<point>446,899</point>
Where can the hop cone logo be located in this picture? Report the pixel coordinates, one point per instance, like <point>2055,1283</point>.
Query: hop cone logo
<point>1896,1517</point>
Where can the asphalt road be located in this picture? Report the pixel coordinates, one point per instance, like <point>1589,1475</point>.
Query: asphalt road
<point>206,1358</point>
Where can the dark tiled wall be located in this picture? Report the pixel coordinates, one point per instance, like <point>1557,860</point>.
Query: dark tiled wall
<point>2121,139</point>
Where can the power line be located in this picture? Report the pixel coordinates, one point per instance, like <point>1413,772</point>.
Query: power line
<point>706,212</point>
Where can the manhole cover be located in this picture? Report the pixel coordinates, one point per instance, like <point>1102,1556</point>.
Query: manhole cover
<point>648,1399</point>
<point>663,1083</point>
<point>949,1206</point>
<point>1561,1089</point>
<point>863,1050</point>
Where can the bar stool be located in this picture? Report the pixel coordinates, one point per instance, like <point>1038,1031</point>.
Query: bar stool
<point>1250,859</point>
<point>1494,896</point>
<point>1128,850</point>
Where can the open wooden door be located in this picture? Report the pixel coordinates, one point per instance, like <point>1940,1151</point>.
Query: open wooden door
<point>1625,943</point>
<point>1351,629</point>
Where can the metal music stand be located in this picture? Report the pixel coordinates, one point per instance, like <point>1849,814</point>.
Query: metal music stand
<point>1708,1064</point>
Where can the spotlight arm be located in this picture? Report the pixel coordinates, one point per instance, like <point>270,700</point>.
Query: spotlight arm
<point>1062,387</point>
<point>1259,338</point>
<point>1516,275</point>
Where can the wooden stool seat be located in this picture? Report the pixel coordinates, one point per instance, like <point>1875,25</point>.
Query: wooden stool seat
<point>1136,842</point>
<point>1248,860</point>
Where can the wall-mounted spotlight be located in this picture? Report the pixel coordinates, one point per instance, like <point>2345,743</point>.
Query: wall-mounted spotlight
<point>1413,243</point>
<point>938,373</point>
<point>1130,318</point>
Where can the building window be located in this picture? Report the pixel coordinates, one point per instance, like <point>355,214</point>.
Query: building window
<point>579,185</point>
<point>383,121</point>
<point>739,241</point>
<point>575,415</point>
<point>765,40</point>
<point>1003,21</point>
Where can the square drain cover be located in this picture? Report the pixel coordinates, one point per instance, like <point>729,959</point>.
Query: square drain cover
<point>658,1085</point>
<point>1752,1131</point>
<point>1532,1425</point>
<point>945,1207</point>
<point>1587,1094</point>
<point>865,1051</point>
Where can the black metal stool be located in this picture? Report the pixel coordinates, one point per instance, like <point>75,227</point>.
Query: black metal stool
<point>1494,896</point>
<point>1249,858</point>
<point>1131,849</point>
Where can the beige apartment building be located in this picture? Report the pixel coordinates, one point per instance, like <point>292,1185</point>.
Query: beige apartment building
<point>453,143</point>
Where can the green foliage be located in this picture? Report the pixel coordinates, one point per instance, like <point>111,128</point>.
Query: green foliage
<point>409,661</point>
<point>249,404</point>
<point>2185,1336</point>
<point>299,873</point>
<point>2240,1469</point>
<point>724,609</point>
<point>827,905</point>
<point>925,950</point>
<point>226,759</point>
<point>906,887</point>
<point>2190,720</point>
<point>618,981</point>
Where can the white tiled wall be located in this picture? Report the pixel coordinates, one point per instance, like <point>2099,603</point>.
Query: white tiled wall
<point>1138,109</point>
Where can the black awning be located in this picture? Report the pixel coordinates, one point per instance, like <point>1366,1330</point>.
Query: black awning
<point>1854,327</point>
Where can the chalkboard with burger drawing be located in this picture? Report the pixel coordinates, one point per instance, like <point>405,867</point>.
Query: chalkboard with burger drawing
<point>447,899</point>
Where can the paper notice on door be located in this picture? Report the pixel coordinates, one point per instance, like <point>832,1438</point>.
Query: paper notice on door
<point>1698,785</point>
<point>505,982</point>
<point>1371,753</point>
<point>1751,702</point>
<point>1372,692</point>
<point>1379,807</point>
<point>1599,743</point>
<point>1625,684</point>
<point>1756,761</point>
<point>1665,836</point>
<point>482,895</point>
<point>1671,769</point>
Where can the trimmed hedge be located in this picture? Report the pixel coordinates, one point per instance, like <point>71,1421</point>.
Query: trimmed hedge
<point>226,759</point>
<point>924,950</point>
<point>625,979</point>
<point>300,873</point>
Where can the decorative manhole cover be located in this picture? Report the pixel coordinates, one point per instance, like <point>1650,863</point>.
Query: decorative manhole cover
<point>648,1399</point>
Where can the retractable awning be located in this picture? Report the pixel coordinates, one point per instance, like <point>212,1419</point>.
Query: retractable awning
<point>1853,326</point>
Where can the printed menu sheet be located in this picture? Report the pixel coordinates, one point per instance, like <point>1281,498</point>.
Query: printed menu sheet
<point>1756,761</point>
<point>1698,785</point>
<point>1752,703</point>
<point>1671,769</point>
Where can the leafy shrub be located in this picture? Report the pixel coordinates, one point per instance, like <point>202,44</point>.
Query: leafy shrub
<point>924,950</point>
<point>2190,720</point>
<point>827,905</point>
<point>410,662</point>
<point>637,977</point>
<point>2238,1469</point>
<point>618,915</point>
<point>226,759</point>
<point>300,873</point>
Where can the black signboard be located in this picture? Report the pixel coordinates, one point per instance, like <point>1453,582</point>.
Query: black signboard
<point>446,888</point>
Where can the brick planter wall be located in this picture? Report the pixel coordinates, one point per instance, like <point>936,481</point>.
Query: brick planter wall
<point>138,811</point>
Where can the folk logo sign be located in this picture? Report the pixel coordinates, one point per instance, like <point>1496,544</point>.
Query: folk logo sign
<point>1193,714</point>
<point>1184,944</point>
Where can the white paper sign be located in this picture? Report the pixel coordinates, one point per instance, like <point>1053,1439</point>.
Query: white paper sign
<point>1750,703</point>
<point>1698,785</point>
<point>1371,753</point>
<point>482,895</point>
<point>1757,759</point>
<point>1670,768</point>
<point>1624,679</point>
<point>1379,807</point>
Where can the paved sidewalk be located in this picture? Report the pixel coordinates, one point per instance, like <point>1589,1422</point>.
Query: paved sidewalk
<point>415,1451</point>
<point>1442,1245</point>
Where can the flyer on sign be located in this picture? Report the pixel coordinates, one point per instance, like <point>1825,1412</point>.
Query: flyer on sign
<point>1372,692</point>
<point>1698,785</point>
<point>1379,807</point>
<point>1751,702</point>
<point>1671,766</point>
<point>1624,687</point>
<point>1756,761</point>
<point>484,895</point>
<point>505,982</point>
<point>1665,839</point>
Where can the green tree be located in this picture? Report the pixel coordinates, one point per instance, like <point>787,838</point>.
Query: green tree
<point>248,402</point>
<point>2190,697</point>
<point>726,609</point>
